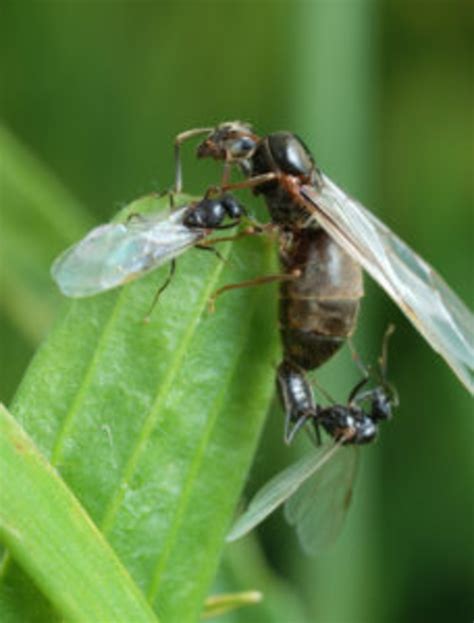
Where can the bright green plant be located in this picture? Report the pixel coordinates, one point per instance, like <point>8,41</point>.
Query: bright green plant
<point>152,426</point>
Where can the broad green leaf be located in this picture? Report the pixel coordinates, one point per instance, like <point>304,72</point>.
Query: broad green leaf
<point>50,534</point>
<point>153,426</point>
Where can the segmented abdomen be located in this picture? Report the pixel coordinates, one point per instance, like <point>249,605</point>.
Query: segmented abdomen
<point>318,311</point>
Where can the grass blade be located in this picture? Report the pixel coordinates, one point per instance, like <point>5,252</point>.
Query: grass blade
<point>39,217</point>
<point>54,539</point>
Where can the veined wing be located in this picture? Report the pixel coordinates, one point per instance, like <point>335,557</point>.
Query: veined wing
<point>281,487</point>
<point>435,310</point>
<point>318,508</point>
<point>116,253</point>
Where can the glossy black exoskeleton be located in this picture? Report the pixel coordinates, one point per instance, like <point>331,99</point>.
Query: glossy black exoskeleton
<point>382,405</point>
<point>280,153</point>
<point>321,284</point>
<point>300,197</point>
<point>210,213</point>
<point>319,306</point>
<point>355,422</point>
<point>348,422</point>
<point>296,396</point>
<point>283,153</point>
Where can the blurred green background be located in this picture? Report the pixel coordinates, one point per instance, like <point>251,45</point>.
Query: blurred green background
<point>382,94</point>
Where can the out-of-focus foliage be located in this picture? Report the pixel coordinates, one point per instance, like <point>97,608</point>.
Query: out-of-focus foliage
<point>381,93</point>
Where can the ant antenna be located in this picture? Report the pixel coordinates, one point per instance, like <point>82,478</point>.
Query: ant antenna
<point>356,358</point>
<point>383,364</point>
<point>383,359</point>
<point>366,371</point>
<point>380,372</point>
<point>178,141</point>
<point>323,391</point>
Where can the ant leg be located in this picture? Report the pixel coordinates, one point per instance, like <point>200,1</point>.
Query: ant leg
<point>170,193</point>
<point>204,247</point>
<point>385,392</point>
<point>178,141</point>
<point>357,359</point>
<point>135,216</point>
<point>386,385</point>
<point>296,397</point>
<point>293,426</point>
<point>314,433</point>
<point>248,183</point>
<point>161,289</point>
<point>354,393</point>
<point>138,216</point>
<point>226,173</point>
<point>383,360</point>
<point>248,231</point>
<point>207,245</point>
<point>230,225</point>
<point>258,281</point>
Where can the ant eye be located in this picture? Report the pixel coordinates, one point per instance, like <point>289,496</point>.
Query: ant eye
<point>241,147</point>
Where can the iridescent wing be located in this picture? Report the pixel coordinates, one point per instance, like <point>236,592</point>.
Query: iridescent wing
<point>323,471</point>
<point>113,254</point>
<point>318,508</point>
<point>435,310</point>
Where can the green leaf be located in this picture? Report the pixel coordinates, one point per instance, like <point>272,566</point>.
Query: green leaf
<point>49,533</point>
<point>39,217</point>
<point>244,567</point>
<point>154,425</point>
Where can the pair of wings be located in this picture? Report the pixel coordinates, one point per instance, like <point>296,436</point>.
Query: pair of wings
<point>423,296</point>
<point>316,492</point>
<point>116,253</point>
<point>319,485</point>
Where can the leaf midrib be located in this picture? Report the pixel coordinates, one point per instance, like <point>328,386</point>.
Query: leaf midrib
<point>195,465</point>
<point>150,421</point>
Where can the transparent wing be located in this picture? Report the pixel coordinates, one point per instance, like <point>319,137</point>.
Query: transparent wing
<point>113,254</point>
<point>281,487</point>
<point>435,310</point>
<point>318,508</point>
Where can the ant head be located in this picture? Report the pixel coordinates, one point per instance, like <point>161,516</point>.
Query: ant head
<point>231,141</point>
<point>383,399</point>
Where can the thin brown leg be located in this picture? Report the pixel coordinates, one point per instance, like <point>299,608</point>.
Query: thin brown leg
<point>205,247</point>
<point>160,291</point>
<point>258,281</point>
<point>226,174</point>
<point>250,182</point>
<point>181,138</point>
<point>252,230</point>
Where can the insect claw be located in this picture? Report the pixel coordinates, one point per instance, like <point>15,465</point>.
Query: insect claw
<point>212,191</point>
<point>293,427</point>
<point>211,305</point>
